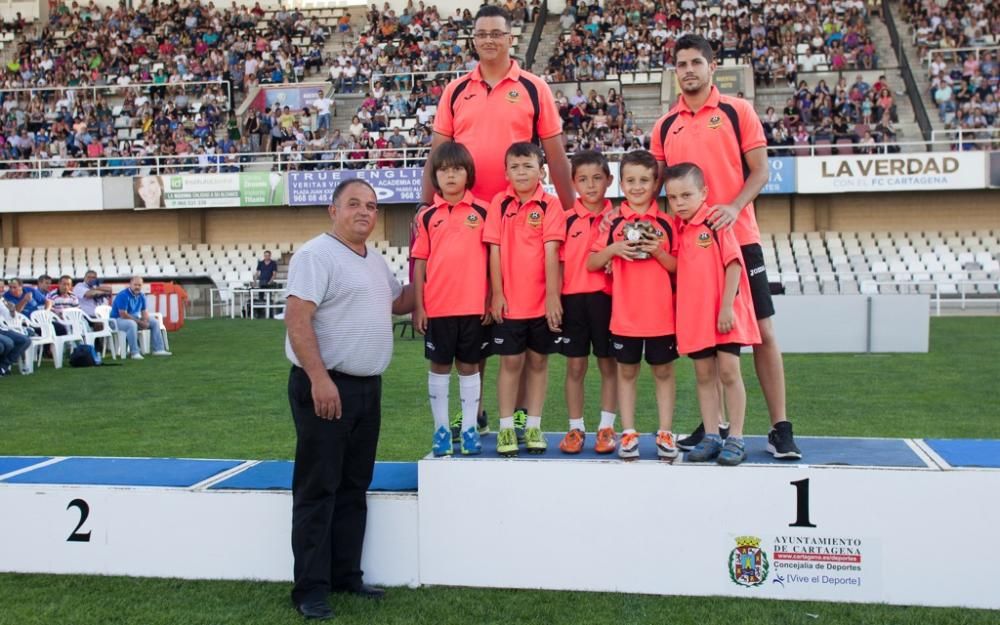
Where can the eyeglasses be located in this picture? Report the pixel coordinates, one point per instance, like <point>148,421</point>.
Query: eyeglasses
<point>493,34</point>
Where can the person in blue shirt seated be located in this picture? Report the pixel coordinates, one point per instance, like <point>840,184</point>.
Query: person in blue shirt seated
<point>129,311</point>
<point>27,299</point>
<point>13,343</point>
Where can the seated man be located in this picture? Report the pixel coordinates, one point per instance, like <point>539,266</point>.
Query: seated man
<point>62,298</point>
<point>266,269</point>
<point>12,342</point>
<point>91,293</point>
<point>129,311</point>
<point>27,299</point>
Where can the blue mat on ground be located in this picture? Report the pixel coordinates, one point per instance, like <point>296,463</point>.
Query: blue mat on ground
<point>980,453</point>
<point>9,464</point>
<point>126,472</point>
<point>277,475</point>
<point>869,452</point>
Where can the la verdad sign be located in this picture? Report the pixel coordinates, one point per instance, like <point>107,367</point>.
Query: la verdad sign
<point>891,172</point>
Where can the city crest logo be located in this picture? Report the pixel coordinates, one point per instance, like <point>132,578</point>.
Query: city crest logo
<point>714,122</point>
<point>472,221</point>
<point>748,564</point>
<point>513,96</point>
<point>534,219</point>
<point>704,240</point>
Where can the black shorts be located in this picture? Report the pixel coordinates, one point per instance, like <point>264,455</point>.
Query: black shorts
<point>586,321</point>
<point>513,336</point>
<point>760,290</point>
<point>463,338</point>
<point>708,352</point>
<point>659,350</point>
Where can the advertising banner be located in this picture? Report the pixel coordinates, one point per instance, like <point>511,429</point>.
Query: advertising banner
<point>891,172</point>
<point>392,185</point>
<point>781,178</point>
<point>258,188</point>
<point>50,194</point>
<point>995,170</point>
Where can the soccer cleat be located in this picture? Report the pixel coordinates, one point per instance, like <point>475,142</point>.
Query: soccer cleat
<point>506,442</point>
<point>689,442</point>
<point>520,420</point>
<point>534,441</point>
<point>483,423</point>
<point>781,442</point>
<point>456,427</point>
<point>606,443</point>
<point>442,445</point>
<point>629,448</point>
<point>733,452</point>
<point>665,446</point>
<point>708,449</point>
<point>572,443</point>
<point>471,444</point>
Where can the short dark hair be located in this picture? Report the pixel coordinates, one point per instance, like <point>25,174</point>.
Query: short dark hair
<point>344,184</point>
<point>685,170</point>
<point>267,251</point>
<point>642,158</point>
<point>493,10</point>
<point>695,42</point>
<point>589,157</point>
<point>453,154</point>
<point>525,148</point>
<point>44,276</point>
<point>65,277</point>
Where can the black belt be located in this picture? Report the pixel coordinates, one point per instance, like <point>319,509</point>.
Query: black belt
<point>339,375</point>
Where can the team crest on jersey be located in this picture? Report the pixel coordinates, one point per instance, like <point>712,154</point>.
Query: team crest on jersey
<point>534,219</point>
<point>473,221</point>
<point>513,96</point>
<point>714,122</point>
<point>704,240</point>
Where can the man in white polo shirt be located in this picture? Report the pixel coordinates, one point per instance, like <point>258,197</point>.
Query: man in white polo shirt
<point>341,298</point>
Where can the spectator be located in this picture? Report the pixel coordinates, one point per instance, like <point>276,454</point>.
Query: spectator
<point>129,311</point>
<point>13,343</point>
<point>91,293</point>
<point>27,299</point>
<point>62,299</point>
<point>266,270</point>
<point>323,105</point>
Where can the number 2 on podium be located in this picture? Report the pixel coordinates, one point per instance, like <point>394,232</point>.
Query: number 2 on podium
<point>77,536</point>
<point>801,504</point>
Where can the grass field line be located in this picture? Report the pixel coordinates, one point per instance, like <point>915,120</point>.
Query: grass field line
<point>38,465</point>
<point>225,475</point>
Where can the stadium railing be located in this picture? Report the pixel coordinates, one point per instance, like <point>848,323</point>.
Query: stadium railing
<point>951,54</point>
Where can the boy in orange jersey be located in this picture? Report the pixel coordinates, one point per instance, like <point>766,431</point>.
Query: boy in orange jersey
<point>524,228</point>
<point>638,245</point>
<point>715,314</point>
<point>450,285</point>
<point>586,301</point>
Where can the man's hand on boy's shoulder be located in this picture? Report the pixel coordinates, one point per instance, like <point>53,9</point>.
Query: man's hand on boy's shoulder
<point>722,216</point>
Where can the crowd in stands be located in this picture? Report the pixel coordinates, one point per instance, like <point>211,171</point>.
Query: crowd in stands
<point>966,92</point>
<point>598,122</point>
<point>857,116</point>
<point>950,24</point>
<point>776,38</point>
<point>67,91</point>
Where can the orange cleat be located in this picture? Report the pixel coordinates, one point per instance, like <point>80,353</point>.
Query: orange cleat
<point>606,442</point>
<point>572,443</point>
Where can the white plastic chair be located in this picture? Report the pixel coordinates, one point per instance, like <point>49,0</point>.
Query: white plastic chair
<point>163,329</point>
<point>44,321</point>
<point>26,362</point>
<point>84,325</point>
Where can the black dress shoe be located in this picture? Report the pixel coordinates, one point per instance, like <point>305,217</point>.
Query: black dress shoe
<point>318,610</point>
<point>365,591</point>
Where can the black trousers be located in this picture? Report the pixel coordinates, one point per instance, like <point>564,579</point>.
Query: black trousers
<point>334,461</point>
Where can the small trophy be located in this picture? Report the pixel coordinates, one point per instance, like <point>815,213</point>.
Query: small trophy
<point>639,231</point>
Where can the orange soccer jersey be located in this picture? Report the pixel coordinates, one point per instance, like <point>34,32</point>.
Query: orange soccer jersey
<point>488,120</point>
<point>702,256</point>
<point>521,231</point>
<point>582,230</point>
<point>450,239</point>
<point>715,138</point>
<point>642,297</point>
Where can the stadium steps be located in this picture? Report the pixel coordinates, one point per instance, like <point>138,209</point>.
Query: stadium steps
<point>921,71</point>
<point>547,44</point>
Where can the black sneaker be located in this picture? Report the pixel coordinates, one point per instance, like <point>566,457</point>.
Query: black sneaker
<point>483,423</point>
<point>781,442</point>
<point>690,442</point>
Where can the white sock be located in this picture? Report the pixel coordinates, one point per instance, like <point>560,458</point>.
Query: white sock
<point>577,424</point>
<point>628,431</point>
<point>437,391</point>
<point>607,419</point>
<point>506,422</point>
<point>533,422</point>
<point>468,392</point>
